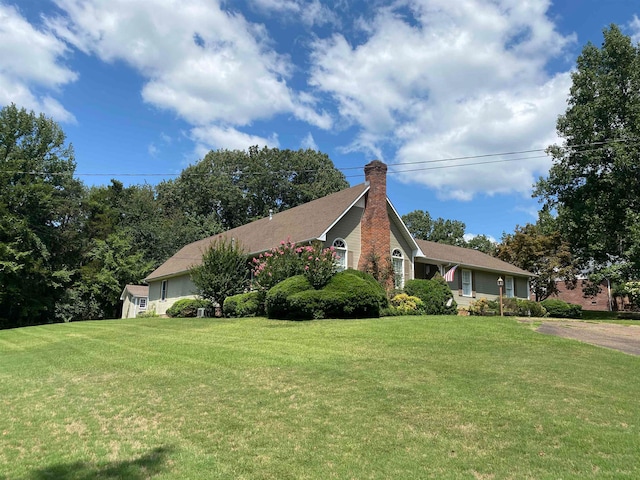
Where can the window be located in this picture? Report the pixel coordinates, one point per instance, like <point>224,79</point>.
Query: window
<point>508,287</point>
<point>142,303</point>
<point>398,268</point>
<point>467,287</point>
<point>340,247</point>
<point>163,290</point>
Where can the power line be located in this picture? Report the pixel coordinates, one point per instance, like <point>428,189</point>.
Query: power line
<point>360,168</point>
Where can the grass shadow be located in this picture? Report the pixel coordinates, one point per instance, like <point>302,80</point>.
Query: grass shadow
<point>143,467</point>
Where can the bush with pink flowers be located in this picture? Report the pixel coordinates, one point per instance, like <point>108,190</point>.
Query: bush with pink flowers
<point>316,263</point>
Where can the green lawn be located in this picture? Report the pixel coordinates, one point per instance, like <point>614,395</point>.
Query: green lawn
<point>396,398</point>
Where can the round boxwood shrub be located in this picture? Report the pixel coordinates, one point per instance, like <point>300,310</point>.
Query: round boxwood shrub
<point>346,295</point>
<point>559,309</point>
<point>188,307</point>
<point>249,304</point>
<point>435,294</point>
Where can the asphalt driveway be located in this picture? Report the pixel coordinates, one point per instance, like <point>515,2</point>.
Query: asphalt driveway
<point>625,338</point>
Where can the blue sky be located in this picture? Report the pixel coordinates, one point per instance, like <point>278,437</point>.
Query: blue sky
<point>144,88</point>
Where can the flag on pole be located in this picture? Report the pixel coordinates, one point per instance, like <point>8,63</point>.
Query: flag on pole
<point>449,275</point>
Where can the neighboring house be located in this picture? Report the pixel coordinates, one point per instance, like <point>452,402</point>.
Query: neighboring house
<point>135,300</point>
<point>359,222</point>
<point>602,301</point>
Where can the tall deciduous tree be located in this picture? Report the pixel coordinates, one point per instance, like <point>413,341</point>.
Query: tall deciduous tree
<point>594,183</point>
<point>540,249</point>
<point>239,186</point>
<point>39,205</point>
<point>423,227</point>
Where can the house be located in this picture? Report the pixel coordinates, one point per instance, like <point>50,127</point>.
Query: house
<point>135,299</point>
<point>602,301</point>
<point>360,223</point>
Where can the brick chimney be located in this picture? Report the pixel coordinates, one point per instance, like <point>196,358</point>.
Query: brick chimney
<point>375,228</point>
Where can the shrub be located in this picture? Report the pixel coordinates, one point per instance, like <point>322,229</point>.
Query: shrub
<point>559,309</point>
<point>224,271</point>
<point>316,263</point>
<point>249,304</point>
<point>482,306</point>
<point>529,308</point>
<point>188,307</point>
<point>435,294</point>
<point>346,295</point>
<point>407,305</point>
<point>150,313</point>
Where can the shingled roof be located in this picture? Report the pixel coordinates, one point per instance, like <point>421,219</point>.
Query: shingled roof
<point>467,257</point>
<point>306,222</point>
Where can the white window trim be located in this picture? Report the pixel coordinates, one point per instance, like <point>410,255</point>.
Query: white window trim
<point>465,271</point>
<point>142,303</point>
<point>397,255</point>
<point>340,244</point>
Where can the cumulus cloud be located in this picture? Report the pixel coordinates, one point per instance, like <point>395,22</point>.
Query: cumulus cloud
<point>635,29</point>
<point>446,79</point>
<point>31,63</point>
<point>204,63</point>
<point>215,137</point>
<point>309,12</point>
<point>309,142</point>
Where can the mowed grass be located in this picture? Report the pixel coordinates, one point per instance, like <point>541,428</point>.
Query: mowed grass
<point>397,398</point>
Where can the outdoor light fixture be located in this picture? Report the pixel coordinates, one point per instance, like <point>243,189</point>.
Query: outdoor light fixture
<point>500,285</point>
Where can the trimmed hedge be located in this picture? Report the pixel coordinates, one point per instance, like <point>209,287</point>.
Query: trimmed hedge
<point>188,307</point>
<point>559,309</point>
<point>346,295</point>
<point>434,293</point>
<point>249,304</point>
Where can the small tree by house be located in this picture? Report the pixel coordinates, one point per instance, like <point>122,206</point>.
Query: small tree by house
<point>224,271</point>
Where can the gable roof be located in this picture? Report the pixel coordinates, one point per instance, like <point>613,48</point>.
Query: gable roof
<point>467,257</point>
<point>135,291</point>
<point>306,222</point>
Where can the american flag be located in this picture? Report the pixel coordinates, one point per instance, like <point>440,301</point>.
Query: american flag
<point>449,275</point>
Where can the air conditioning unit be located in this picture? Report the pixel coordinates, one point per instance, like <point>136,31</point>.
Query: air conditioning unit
<point>200,313</point>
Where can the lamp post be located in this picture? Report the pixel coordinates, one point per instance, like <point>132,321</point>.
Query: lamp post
<point>500,285</point>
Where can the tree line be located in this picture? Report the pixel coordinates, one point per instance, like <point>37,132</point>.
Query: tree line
<point>67,249</point>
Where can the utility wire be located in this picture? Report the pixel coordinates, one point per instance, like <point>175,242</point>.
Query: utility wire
<point>599,145</point>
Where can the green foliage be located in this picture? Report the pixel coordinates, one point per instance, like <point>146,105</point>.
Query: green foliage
<point>404,304</point>
<point>316,263</point>
<point>39,203</point>
<point>422,226</point>
<point>250,304</point>
<point>559,309</point>
<point>594,183</point>
<point>224,271</point>
<point>539,248</point>
<point>632,290</point>
<point>345,296</point>
<point>482,306</point>
<point>188,307</point>
<point>435,294</point>
<point>240,186</point>
<point>149,313</point>
<point>381,269</point>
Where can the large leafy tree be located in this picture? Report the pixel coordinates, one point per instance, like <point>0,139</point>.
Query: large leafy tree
<point>424,227</point>
<point>237,186</point>
<point>39,206</point>
<point>539,248</point>
<point>594,183</point>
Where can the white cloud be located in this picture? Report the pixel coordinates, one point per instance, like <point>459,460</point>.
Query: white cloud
<point>309,142</point>
<point>457,79</point>
<point>215,137</point>
<point>206,64</point>
<point>470,236</point>
<point>635,29</point>
<point>309,12</point>
<point>31,63</point>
